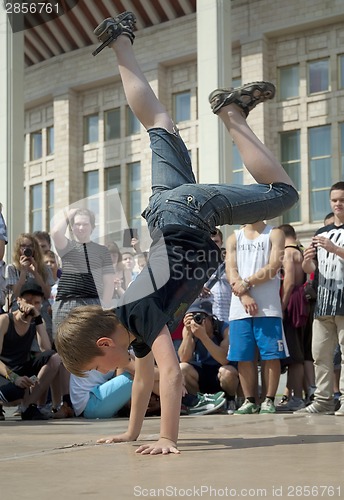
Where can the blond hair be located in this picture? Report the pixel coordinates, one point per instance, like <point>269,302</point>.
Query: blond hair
<point>77,335</point>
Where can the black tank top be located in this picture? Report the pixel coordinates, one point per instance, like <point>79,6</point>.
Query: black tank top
<point>16,348</point>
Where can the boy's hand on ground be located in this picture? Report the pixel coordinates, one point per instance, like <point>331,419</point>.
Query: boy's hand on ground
<point>162,447</point>
<point>119,438</point>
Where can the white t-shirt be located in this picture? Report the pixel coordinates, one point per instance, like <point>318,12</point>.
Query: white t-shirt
<point>253,255</point>
<point>80,388</point>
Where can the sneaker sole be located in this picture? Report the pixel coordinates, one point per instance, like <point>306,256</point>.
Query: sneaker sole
<point>108,26</point>
<point>248,413</point>
<point>257,91</point>
<point>301,412</point>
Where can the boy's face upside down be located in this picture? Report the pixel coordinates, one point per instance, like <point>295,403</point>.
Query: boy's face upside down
<point>114,352</point>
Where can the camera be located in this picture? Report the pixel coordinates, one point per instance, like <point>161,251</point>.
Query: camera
<point>27,252</point>
<point>199,317</point>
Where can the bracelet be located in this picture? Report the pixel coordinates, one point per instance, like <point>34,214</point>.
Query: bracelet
<point>248,284</point>
<point>245,284</point>
<point>38,320</point>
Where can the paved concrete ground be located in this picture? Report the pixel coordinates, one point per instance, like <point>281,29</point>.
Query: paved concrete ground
<point>253,456</point>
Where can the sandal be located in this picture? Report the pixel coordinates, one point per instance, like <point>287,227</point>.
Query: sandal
<point>246,97</point>
<point>111,28</point>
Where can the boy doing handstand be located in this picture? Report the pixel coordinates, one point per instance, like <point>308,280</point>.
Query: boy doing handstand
<point>181,216</point>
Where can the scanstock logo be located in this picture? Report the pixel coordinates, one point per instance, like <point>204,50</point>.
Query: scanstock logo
<point>24,15</point>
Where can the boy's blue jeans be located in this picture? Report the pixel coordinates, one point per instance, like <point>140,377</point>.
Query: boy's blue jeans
<point>177,199</point>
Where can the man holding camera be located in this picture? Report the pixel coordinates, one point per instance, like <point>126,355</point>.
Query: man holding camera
<point>24,379</point>
<point>203,351</point>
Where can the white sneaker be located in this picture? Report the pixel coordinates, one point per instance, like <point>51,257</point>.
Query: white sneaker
<point>340,412</point>
<point>267,406</point>
<point>314,409</point>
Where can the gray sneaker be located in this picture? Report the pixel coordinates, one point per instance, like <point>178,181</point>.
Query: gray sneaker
<point>294,404</point>
<point>111,28</point>
<point>206,405</point>
<point>246,97</point>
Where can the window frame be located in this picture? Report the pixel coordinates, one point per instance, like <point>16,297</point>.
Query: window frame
<point>284,97</point>
<point>34,211</point>
<point>316,158</point>
<point>107,112</point>
<point>86,135</point>
<point>288,164</point>
<point>33,146</point>
<point>175,97</point>
<point>316,61</point>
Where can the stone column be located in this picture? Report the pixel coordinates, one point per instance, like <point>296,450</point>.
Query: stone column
<point>12,129</point>
<point>68,168</point>
<point>214,48</point>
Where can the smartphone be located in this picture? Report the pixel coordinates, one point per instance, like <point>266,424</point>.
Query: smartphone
<point>128,235</point>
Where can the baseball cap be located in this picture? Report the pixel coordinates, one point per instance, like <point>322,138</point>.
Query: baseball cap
<point>31,287</point>
<point>201,305</point>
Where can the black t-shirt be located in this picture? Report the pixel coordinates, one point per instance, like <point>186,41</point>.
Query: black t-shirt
<point>181,260</point>
<point>16,348</point>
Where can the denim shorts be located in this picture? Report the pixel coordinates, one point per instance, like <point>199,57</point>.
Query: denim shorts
<point>177,199</point>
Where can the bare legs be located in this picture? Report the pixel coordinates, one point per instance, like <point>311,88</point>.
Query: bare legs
<point>272,370</point>
<point>258,159</point>
<point>140,96</point>
<point>191,378</point>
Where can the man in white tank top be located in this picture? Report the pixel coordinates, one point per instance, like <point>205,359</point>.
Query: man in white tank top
<point>254,257</point>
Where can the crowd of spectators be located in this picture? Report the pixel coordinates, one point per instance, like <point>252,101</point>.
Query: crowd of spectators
<point>48,276</point>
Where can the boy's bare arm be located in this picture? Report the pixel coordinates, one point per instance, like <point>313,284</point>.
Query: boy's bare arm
<point>170,396</point>
<point>142,389</point>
